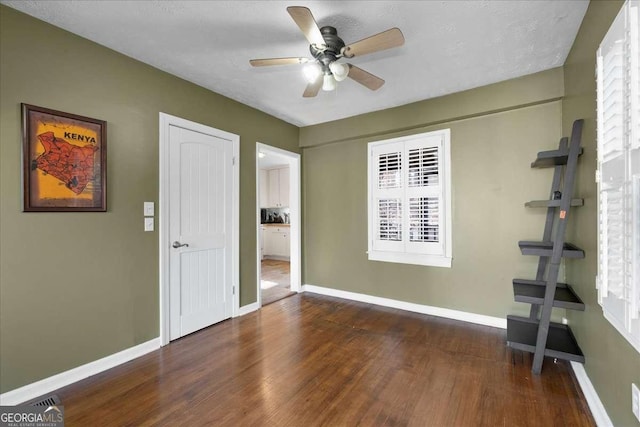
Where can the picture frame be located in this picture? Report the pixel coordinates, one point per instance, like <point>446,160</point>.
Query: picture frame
<point>64,161</point>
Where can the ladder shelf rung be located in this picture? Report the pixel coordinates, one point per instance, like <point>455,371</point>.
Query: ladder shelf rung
<point>522,334</point>
<point>552,203</point>
<point>546,249</point>
<point>548,159</point>
<point>532,292</point>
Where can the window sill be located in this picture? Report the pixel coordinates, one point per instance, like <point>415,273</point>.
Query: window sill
<point>416,259</point>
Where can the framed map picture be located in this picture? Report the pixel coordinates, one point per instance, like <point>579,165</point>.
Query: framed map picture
<point>64,161</point>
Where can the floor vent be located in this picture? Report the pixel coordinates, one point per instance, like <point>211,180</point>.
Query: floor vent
<point>48,401</point>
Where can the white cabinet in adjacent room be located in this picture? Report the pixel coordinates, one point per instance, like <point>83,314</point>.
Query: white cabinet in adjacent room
<point>264,188</point>
<point>284,187</point>
<point>277,242</point>
<point>278,187</point>
<point>274,188</point>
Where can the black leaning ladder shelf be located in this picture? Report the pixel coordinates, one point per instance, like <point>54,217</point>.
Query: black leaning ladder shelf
<point>537,334</point>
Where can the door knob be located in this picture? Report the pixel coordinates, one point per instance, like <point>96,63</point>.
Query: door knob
<point>177,244</point>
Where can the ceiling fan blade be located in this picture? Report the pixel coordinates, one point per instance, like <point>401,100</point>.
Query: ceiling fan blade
<point>365,78</point>
<point>303,17</point>
<point>381,41</point>
<point>277,61</point>
<point>313,88</point>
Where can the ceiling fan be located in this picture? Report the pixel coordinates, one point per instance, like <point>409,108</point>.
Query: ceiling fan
<point>324,70</point>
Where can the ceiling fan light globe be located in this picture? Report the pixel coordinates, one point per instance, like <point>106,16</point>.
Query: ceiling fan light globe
<point>329,83</point>
<point>312,71</point>
<point>339,71</point>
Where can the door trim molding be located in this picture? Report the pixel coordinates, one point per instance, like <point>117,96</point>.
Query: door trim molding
<point>295,216</point>
<point>167,120</point>
<point>249,308</point>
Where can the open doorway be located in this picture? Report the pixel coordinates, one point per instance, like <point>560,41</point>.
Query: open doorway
<point>278,221</point>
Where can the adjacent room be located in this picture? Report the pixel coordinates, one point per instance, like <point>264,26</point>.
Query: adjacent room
<point>372,213</point>
<point>275,225</point>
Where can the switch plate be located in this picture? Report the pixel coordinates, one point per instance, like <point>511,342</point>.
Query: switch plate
<point>148,224</point>
<point>149,209</point>
<point>635,401</point>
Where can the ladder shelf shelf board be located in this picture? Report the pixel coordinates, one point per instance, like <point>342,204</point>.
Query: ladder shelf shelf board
<point>532,292</point>
<point>537,334</point>
<point>561,344</point>
<point>546,249</point>
<point>549,159</point>
<point>552,203</point>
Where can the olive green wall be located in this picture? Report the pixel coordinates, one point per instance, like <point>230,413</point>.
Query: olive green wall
<point>611,363</point>
<point>76,287</point>
<point>529,90</point>
<point>491,154</point>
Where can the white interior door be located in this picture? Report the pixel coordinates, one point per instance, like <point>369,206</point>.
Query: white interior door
<point>200,230</point>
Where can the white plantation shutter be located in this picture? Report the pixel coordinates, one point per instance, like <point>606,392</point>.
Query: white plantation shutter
<point>390,220</point>
<point>388,197</point>
<point>618,80</point>
<point>424,195</point>
<point>424,221</point>
<point>409,206</point>
<point>390,167</point>
<point>634,165</point>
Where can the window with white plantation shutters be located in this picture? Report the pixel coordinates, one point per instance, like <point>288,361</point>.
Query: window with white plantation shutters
<point>409,200</point>
<point>618,175</point>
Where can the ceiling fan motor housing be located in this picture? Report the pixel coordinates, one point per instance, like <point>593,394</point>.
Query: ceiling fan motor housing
<point>334,46</point>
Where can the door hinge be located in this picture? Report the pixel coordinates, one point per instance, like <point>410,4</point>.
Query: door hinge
<point>597,175</point>
<point>234,290</point>
<point>233,161</point>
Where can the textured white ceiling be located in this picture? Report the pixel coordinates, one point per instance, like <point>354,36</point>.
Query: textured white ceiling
<point>450,45</point>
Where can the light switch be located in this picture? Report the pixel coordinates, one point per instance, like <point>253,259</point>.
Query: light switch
<point>149,209</point>
<point>148,224</point>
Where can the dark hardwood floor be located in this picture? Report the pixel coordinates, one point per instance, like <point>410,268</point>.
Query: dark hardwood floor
<point>311,360</point>
<point>275,280</point>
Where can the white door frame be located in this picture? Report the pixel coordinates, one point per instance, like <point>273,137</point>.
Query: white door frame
<point>294,216</point>
<point>167,120</point>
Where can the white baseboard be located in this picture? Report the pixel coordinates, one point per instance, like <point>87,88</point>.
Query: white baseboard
<point>595,404</point>
<point>246,309</point>
<point>47,385</point>
<point>480,319</point>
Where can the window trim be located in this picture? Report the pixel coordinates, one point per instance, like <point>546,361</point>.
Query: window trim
<point>433,260</point>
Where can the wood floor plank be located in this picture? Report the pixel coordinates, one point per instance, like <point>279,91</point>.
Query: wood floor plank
<point>275,280</point>
<point>312,360</point>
